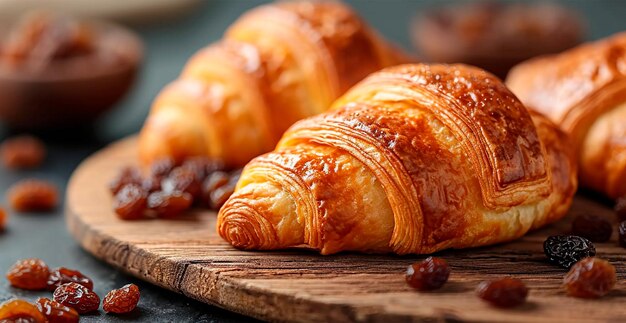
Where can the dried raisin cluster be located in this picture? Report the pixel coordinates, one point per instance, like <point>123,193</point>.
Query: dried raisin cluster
<point>430,274</point>
<point>73,295</point>
<point>170,189</point>
<point>566,250</point>
<point>22,152</point>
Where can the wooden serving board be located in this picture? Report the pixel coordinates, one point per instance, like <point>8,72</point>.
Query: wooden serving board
<point>187,256</point>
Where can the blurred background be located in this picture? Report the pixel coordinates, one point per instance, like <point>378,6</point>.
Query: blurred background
<point>173,30</point>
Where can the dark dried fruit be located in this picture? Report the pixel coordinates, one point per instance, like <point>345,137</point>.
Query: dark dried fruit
<point>33,196</point>
<point>3,219</point>
<point>169,205</point>
<point>17,310</point>
<point>211,183</point>
<point>30,274</point>
<point>131,202</point>
<point>590,278</point>
<point>161,167</point>
<point>620,208</point>
<point>203,166</point>
<point>64,275</point>
<point>221,195</point>
<point>57,312</point>
<point>128,175</point>
<point>592,227</point>
<point>621,230</point>
<point>22,152</point>
<point>77,297</point>
<point>504,292</point>
<point>183,180</point>
<point>430,274</point>
<point>151,184</point>
<point>566,250</point>
<point>122,300</point>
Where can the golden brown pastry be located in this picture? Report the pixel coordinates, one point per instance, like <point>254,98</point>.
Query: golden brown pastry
<point>583,90</point>
<point>414,159</point>
<point>277,64</point>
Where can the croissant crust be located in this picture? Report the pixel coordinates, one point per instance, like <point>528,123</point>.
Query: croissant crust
<point>277,64</point>
<point>414,159</point>
<point>583,90</point>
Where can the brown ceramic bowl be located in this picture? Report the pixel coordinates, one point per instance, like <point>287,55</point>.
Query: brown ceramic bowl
<point>493,35</point>
<point>72,92</point>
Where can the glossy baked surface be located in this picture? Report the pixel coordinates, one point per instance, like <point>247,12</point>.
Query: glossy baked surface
<point>414,159</point>
<point>583,90</point>
<point>275,65</point>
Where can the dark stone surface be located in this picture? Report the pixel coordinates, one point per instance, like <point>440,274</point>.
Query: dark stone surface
<point>168,46</point>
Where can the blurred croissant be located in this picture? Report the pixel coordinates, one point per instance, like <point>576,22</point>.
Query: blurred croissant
<point>412,160</point>
<point>277,64</point>
<point>583,90</point>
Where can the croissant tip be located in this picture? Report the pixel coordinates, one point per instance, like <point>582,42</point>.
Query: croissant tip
<point>245,229</point>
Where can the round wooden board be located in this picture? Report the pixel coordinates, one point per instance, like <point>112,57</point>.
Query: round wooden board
<point>187,256</point>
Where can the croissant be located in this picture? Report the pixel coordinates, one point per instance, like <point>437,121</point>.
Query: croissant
<point>277,64</point>
<point>412,160</point>
<point>583,90</point>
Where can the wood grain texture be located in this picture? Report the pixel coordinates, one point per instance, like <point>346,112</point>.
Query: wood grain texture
<point>187,256</point>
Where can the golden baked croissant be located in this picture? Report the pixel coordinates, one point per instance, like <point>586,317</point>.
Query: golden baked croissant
<point>277,64</point>
<point>583,90</point>
<point>413,159</point>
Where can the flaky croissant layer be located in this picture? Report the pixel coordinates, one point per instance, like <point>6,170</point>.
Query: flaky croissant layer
<point>583,90</point>
<point>277,64</point>
<point>412,160</point>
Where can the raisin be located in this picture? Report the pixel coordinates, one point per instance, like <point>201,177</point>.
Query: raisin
<point>566,250</point>
<point>3,219</point>
<point>183,180</point>
<point>33,196</point>
<point>122,300</point>
<point>503,292</point>
<point>430,274</point>
<point>128,175</point>
<point>592,227</point>
<point>235,175</point>
<point>590,278</point>
<point>64,275</point>
<point>57,312</point>
<point>151,185</point>
<point>131,202</point>
<point>221,195</point>
<point>203,166</point>
<point>198,166</point>
<point>162,167</point>
<point>78,297</point>
<point>22,152</point>
<point>17,310</point>
<point>169,204</point>
<point>212,182</point>
<point>30,274</point>
<point>621,230</point>
<point>620,208</point>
